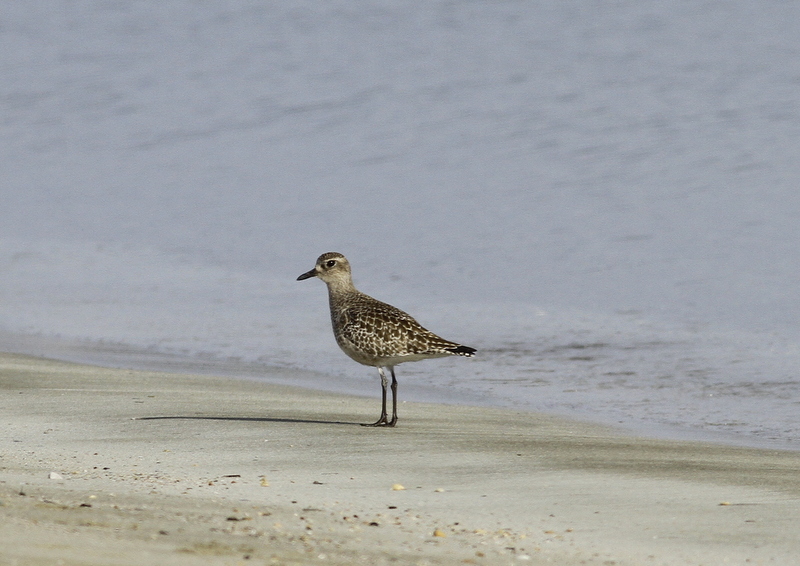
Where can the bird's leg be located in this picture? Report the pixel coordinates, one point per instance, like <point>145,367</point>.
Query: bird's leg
<point>383,420</point>
<point>394,399</point>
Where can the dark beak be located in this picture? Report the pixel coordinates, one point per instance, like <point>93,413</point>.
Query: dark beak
<point>308,274</point>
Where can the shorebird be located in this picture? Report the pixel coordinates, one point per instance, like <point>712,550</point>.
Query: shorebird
<point>374,333</point>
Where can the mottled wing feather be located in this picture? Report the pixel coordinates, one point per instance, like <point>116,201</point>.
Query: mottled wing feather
<point>378,330</point>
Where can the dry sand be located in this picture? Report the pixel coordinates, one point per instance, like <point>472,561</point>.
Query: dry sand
<point>105,466</point>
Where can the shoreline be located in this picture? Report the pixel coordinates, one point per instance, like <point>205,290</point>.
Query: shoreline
<point>124,357</point>
<point>153,467</point>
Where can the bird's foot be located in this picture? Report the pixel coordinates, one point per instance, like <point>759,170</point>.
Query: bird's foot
<point>383,421</point>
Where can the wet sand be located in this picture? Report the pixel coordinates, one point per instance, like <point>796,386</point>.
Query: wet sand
<point>107,466</point>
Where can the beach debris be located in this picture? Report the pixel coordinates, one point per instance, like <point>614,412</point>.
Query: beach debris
<point>724,503</point>
<point>397,487</point>
<point>439,490</point>
<point>439,533</point>
<point>55,476</point>
<point>264,482</point>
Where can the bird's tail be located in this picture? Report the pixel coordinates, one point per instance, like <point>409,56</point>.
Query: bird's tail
<point>462,351</point>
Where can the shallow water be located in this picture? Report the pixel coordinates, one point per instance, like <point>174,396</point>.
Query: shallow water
<point>601,199</point>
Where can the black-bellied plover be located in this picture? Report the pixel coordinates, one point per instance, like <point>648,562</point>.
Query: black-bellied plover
<point>374,333</point>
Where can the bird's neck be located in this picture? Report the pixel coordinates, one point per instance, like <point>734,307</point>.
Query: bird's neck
<point>341,287</point>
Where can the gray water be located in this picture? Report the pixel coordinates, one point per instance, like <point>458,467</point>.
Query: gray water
<point>600,197</point>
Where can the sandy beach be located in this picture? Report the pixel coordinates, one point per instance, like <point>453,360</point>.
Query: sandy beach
<point>107,466</point>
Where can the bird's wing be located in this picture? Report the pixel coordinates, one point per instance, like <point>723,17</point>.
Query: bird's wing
<point>382,330</point>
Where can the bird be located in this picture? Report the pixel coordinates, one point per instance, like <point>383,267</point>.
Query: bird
<point>374,333</point>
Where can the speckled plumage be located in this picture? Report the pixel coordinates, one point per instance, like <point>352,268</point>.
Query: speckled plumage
<point>374,333</point>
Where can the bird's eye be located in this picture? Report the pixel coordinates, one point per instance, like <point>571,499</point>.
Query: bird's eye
<point>330,263</point>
